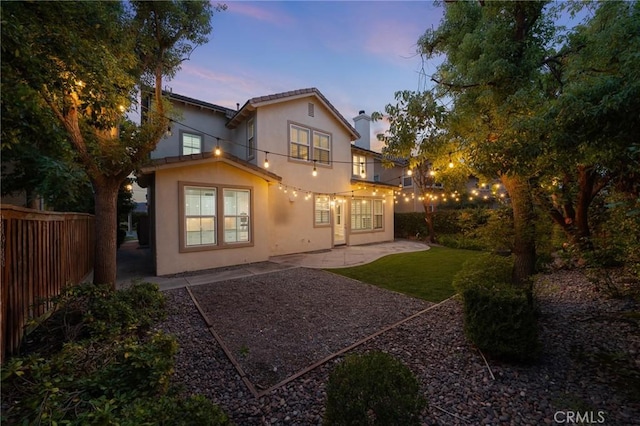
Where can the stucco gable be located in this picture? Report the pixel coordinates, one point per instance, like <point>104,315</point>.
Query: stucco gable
<point>252,104</point>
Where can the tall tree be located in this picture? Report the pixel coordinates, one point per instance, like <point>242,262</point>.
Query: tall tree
<point>493,53</point>
<point>86,62</point>
<point>590,124</point>
<point>417,134</point>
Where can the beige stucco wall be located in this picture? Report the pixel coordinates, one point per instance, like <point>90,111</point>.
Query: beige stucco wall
<point>293,229</point>
<point>169,259</point>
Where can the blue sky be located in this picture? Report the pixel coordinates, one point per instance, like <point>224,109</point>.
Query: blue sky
<point>357,53</point>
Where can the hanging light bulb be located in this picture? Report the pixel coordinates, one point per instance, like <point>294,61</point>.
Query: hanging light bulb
<point>363,172</point>
<point>315,171</point>
<point>450,162</point>
<point>266,160</point>
<point>409,172</point>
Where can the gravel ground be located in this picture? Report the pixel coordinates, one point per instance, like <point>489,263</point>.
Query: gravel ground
<point>590,363</point>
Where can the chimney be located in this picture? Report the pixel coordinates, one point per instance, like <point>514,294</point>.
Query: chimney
<point>363,126</point>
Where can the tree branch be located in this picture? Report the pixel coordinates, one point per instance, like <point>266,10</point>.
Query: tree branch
<point>461,86</point>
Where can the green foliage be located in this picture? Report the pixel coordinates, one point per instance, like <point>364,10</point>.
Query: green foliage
<point>105,367</point>
<point>486,270</point>
<point>498,318</point>
<point>409,225</point>
<point>446,222</point>
<point>373,389</point>
<point>166,410</point>
<point>90,311</point>
<point>84,65</point>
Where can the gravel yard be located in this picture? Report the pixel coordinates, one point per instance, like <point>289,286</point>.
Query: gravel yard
<point>589,364</point>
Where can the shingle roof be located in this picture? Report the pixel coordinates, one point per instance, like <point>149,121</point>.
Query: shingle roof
<point>197,102</point>
<point>253,103</point>
<point>225,157</point>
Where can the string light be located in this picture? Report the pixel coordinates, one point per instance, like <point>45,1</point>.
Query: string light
<point>218,152</point>
<point>450,161</point>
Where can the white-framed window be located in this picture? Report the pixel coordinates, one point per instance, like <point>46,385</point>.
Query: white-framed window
<point>359,165</point>
<point>378,214</point>
<point>251,139</point>
<point>367,214</point>
<point>322,210</point>
<point>237,203</point>
<point>321,148</point>
<point>199,216</point>
<point>309,144</point>
<point>299,146</point>
<point>214,217</point>
<point>191,143</point>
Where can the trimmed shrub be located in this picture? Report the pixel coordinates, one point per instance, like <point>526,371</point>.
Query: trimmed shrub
<point>373,389</point>
<point>502,321</point>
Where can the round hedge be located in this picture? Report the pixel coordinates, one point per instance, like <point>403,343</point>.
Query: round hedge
<point>373,389</point>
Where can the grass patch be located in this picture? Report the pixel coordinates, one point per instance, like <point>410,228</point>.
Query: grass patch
<point>424,274</point>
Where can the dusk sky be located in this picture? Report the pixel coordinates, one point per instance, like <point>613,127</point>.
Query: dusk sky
<point>357,53</point>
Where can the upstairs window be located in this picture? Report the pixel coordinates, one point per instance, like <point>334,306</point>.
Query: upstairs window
<point>360,166</point>
<point>191,143</point>
<point>309,145</point>
<point>299,142</point>
<point>407,181</point>
<point>321,148</point>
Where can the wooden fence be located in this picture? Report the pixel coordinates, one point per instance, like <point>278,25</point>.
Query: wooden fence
<point>42,252</point>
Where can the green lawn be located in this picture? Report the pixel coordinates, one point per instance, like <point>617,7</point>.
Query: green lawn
<point>424,274</point>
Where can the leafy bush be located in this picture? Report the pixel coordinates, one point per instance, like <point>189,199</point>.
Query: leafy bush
<point>460,241</point>
<point>373,388</point>
<point>446,222</point>
<point>168,410</point>
<point>108,368</point>
<point>409,225</point>
<point>499,319</point>
<point>95,311</point>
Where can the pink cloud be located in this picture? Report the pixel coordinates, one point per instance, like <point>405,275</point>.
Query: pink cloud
<point>393,40</point>
<point>270,14</point>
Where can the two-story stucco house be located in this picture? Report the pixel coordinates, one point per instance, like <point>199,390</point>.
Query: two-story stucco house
<point>280,175</point>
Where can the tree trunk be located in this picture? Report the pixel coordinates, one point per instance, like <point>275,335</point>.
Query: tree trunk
<point>524,247</point>
<point>106,228</point>
<point>586,184</point>
<point>428,217</point>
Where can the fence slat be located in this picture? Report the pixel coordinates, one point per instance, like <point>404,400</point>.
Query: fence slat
<point>41,253</point>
